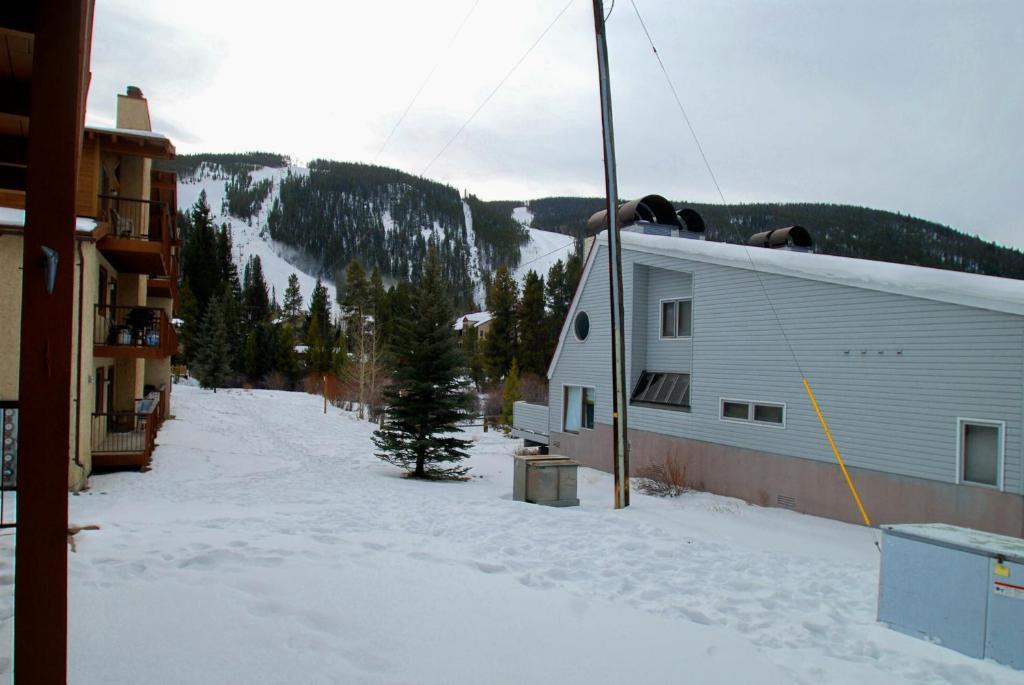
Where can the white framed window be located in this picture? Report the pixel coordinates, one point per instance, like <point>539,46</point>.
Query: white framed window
<point>578,408</point>
<point>751,411</point>
<point>980,452</point>
<point>676,318</point>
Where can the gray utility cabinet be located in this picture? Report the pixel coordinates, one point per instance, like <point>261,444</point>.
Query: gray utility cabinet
<point>959,587</point>
<point>543,479</point>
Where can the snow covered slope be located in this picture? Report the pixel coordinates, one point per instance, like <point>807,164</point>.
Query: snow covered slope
<point>248,237</point>
<point>269,545</point>
<point>544,249</point>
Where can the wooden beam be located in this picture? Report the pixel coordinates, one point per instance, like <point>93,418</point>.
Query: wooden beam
<point>15,97</point>
<point>13,150</point>
<point>60,73</point>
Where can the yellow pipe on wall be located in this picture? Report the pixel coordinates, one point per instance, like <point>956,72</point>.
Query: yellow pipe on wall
<point>835,451</point>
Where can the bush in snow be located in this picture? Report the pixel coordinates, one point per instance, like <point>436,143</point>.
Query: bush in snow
<point>427,397</point>
<point>662,480</point>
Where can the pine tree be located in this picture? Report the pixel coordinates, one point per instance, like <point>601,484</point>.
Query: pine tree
<point>510,395</point>
<point>213,363</point>
<point>255,302</point>
<point>286,361</point>
<point>291,307</point>
<point>500,345</point>
<point>473,352</point>
<point>532,326</point>
<point>189,332</point>
<point>319,305</point>
<point>427,398</point>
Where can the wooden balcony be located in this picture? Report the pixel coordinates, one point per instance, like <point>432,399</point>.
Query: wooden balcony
<point>141,235</point>
<point>126,439</point>
<point>133,332</point>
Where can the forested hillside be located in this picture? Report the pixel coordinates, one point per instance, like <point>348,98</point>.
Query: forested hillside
<point>837,230</point>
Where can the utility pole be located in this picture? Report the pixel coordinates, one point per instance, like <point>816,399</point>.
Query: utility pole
<point>620,445</point>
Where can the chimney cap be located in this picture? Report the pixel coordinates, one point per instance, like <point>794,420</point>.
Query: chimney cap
<point>133,92</point>
<point>791,237</point>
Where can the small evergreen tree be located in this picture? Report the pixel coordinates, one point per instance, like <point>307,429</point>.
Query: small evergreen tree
<point>510,395</point>
<point>286,361</point>
<point>291,307</point>
<point>427,397</point>
<point>255,302</point>
<point>319,306</point>
<point>531,325</point>
<point>500,345</point>
<point>213,363</point>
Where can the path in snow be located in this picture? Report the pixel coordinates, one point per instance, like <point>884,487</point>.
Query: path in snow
<point>268,545</point>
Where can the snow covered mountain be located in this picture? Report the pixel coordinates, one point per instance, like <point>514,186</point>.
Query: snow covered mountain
<point>313,220</point>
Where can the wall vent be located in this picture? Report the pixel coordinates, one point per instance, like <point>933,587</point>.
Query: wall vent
<point>786,501</point>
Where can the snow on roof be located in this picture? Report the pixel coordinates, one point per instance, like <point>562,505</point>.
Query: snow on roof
<point>476,318</point>
<point>16,217</point>
<point>128,132</point>
<point>971,290</point>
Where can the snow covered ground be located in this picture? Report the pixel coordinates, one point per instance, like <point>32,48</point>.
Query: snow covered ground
<point>268,545</point>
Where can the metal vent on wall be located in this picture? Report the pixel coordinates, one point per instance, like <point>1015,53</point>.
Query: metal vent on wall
<point>786,501</point>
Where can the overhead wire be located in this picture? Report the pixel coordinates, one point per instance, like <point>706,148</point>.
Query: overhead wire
<point>746,250</point>
<point>423,85</point>
<point>497,87</point>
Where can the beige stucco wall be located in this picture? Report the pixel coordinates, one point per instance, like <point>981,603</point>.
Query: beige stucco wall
<point>11,247</point>
<point>86,400</point>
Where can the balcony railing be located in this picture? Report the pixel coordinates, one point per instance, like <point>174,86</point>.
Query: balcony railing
<point>129,433</point>
<point>136,219</point>
<point>145,329</point>
<point>530,421</point>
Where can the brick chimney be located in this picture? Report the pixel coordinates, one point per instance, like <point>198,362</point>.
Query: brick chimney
<point>133,110</point>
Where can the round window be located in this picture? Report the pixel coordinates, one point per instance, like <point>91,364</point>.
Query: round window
<point>581,326</point>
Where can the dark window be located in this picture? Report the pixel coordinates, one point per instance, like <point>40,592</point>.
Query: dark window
<point>768,413</point>
<point>581,326</point>
<point>981,448</point>
<point>663,389</point>
<point>739,411</point>
<point>754,412</point>
<point>676,318</point>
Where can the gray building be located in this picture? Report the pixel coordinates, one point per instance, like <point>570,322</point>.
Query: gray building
<point>919,372</point>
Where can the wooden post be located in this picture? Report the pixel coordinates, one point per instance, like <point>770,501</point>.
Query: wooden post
<point>325,394</point>
<point>60,72</point>
<point>620,445</point>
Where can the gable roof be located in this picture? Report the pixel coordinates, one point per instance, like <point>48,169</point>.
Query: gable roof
<point>476,319</point>
<point>956,287</point>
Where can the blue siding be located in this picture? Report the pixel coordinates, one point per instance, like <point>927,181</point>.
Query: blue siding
<point>892,373</point>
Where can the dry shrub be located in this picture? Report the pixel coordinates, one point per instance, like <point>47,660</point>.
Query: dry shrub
<point>492,400</point>
<point>275,381</point>
<point>667,479</point>
<point>533,388</point>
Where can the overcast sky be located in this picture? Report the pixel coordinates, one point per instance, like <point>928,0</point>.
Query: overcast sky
<point>911,106</point>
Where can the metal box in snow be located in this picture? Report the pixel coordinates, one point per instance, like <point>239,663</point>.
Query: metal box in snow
<point>543,479</point>
<point>958,587</point>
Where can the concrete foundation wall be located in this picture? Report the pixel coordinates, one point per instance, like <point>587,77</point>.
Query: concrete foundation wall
<point>804,485</point>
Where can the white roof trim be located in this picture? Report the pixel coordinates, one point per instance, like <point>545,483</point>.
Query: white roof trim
<point>955,287</point>
<point>572,308</point>
<point>16,217</point>
<point>128,132</point>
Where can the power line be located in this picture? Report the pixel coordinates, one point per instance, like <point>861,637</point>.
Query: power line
<point>714,180</point>
<point>423,85</point>
<point>760,280</point>
<point>496,88</point>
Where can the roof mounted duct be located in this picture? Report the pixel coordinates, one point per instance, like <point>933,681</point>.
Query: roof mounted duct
<point>692,222</point>
<point>650,209</point>
<point>795,238</point>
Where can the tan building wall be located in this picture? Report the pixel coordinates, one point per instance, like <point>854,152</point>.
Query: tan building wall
<point>11,247</point>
